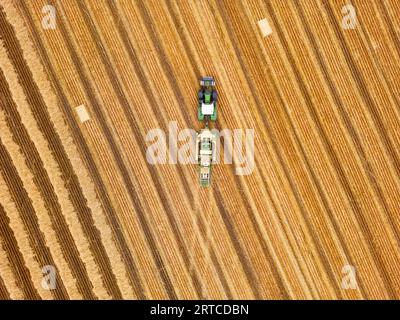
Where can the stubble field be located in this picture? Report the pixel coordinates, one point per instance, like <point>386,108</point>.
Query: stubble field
<point>318,217</point>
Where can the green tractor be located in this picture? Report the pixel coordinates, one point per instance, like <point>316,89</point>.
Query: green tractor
<point>207,100</point>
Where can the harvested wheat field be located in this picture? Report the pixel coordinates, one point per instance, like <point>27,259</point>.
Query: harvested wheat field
<point>84,215</point>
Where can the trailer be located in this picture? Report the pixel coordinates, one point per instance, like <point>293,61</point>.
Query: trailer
<point>206,155</point>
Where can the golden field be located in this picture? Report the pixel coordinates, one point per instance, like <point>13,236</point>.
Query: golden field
<point>324,195</point>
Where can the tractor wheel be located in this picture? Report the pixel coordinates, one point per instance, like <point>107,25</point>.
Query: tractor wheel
<point>215,95</point>
<point>200,116</point>
<point>214,115</point>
